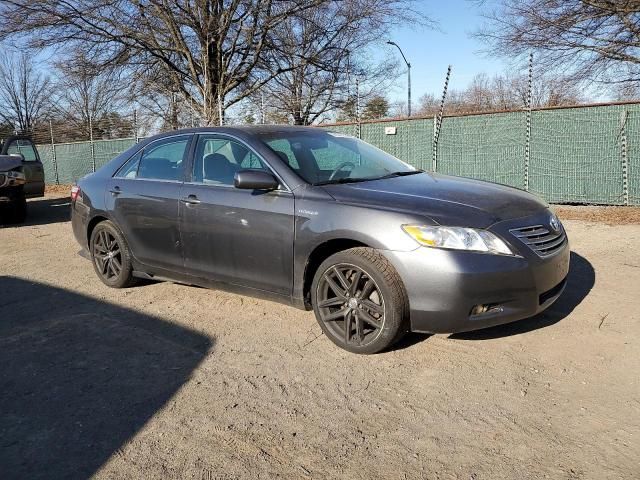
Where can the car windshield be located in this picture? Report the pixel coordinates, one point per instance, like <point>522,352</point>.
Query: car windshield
<point>321,157</point>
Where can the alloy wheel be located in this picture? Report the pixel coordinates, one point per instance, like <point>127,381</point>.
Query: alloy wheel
<point>107,255</point>
<point>350,304</point>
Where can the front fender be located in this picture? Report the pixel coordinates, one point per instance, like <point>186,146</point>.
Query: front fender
<point>320,221</point>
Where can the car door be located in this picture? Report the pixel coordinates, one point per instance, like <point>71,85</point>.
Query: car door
<point>31,164</point>
<point>237,236</point>
<point>143,198</point>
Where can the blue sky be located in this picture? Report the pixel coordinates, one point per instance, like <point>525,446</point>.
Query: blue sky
<point>431,51</point>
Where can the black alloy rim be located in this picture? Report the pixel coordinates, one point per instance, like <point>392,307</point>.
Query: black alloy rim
<point>107,255</point>
<point>351,305</point>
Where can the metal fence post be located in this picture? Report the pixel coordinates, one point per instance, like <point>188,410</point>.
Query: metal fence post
<point>135,124</point>
<point>358,107</point>
<point>434,159</point>
<point>438,123</point>
<point>54,160</point>
<point>527,147</point>
<point>93,150</point>
<point>625,157</point>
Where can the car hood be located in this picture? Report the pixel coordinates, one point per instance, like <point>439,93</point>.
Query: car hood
<point>453,201</point>
<point>9,162</point>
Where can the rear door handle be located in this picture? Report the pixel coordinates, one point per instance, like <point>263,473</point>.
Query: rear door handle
<point>115,191</point>
<point>191,200</point>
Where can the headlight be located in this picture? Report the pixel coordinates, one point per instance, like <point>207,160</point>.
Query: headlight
<point>16,175</point>
<point>457,238</point>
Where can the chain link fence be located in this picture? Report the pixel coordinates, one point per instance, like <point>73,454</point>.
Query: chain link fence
<point>588,154</point>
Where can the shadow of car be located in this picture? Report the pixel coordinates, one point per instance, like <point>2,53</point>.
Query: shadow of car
<point>42,211</point>
<point>80,377</point>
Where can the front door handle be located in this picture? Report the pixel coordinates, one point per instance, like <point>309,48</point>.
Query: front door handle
<point>115,190</point>
<point>191,200</point>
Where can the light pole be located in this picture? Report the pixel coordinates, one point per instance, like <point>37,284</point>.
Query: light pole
<point>408,76</point>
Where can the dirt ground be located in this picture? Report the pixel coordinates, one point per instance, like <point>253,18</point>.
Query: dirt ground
<point>169,381</point>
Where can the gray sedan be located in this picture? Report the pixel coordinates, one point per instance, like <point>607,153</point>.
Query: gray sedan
<point>322,221</point>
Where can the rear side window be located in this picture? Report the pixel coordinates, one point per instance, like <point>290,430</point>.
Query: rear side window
<point>24,147</point>
<point>161,160</point>
<point>130,169</point>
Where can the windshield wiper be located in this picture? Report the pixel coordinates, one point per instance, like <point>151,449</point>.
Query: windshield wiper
<point>400,174</point>
<point>368,179</point>
<point>343,180</point>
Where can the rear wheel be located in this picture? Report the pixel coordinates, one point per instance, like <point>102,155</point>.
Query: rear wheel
<point>111,257</point>
<point>359,301</point>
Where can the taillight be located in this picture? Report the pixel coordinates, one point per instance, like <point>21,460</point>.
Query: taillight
<point>75,191</point>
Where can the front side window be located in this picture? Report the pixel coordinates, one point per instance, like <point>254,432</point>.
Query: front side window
<point>24,147</point>
<point>217,160</point>
<point>161,160</point>
<point>321,157</point>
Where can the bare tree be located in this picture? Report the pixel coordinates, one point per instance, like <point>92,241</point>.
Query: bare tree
<point>87,95</point>
<point>505,92</point>
<point>211,51</point>
<point>162,105</point>
<point>321,51</point>
<point>626,92</point>
<point>24,92</point>
<point>591,39</point>
<point>376,107</point>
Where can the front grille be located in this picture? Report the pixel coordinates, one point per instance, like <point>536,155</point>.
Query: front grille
<point>540,239</point>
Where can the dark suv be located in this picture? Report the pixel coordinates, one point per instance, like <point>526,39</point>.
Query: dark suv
<point>21,177</point>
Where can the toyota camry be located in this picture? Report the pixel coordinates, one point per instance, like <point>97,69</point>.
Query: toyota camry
<point>322,221</point>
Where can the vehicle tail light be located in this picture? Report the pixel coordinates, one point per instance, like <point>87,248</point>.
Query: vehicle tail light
<point>75,191</point>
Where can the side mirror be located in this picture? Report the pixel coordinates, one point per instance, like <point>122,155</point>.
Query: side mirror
<point>19,155</point>
<point>255,180</point>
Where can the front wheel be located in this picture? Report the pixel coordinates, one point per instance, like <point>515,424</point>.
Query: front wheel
<point>20,208</point>
<point>359,301</point>
<point>111,257</point>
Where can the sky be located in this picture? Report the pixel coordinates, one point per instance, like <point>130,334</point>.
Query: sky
<point>431,51</point>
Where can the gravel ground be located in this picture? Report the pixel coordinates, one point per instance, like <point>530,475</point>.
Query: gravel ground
<point>169,381</point>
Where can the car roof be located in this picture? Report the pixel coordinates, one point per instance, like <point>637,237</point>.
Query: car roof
<point>243,130</point>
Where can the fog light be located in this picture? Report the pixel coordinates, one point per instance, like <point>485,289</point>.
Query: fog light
<point>479,309</point>
<point>489,307</point>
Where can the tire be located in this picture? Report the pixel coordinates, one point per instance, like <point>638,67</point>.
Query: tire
<point>111,256</point>
<point>15,211</point>
<point>19,209</point>
<point>359,301</point>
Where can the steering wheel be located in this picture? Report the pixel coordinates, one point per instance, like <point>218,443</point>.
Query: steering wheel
<point>340,167</point>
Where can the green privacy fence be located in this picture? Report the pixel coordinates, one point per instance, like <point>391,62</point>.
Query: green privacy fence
<point>586,154</point>
<point>67,162</point>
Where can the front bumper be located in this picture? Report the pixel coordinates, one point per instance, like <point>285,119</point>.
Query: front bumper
<point>444,286</point>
